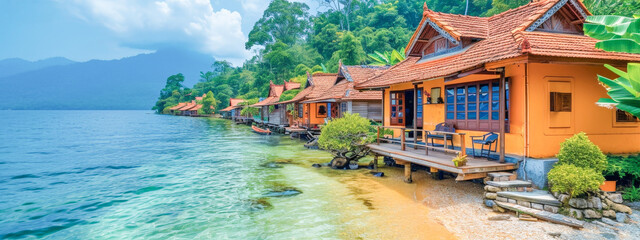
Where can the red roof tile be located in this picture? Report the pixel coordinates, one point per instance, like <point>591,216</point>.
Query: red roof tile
<point>176,107</point>
<point>505,38</point>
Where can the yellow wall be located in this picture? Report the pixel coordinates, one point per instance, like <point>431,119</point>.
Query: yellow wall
<point>546,129</point>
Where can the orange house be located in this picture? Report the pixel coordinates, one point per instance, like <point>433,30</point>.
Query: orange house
<point>310,115</point>
<point>233,110</point>
<point>528,74</point>
<point>342,97</point>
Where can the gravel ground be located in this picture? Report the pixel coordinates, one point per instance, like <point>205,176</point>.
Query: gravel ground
<point>458,206</point>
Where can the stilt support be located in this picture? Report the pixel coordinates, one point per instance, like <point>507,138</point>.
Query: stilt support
<point>407,173</point>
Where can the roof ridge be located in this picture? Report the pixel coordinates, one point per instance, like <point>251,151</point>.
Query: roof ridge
<point>539,2</point>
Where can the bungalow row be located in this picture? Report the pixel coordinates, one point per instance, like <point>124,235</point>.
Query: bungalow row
<point>511,87</point>
<point>188,108</point>
<point>524,79</point>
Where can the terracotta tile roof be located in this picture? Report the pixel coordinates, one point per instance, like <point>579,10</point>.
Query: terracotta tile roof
<point>321,83</point>
<point>300,96</point>
<point>200,98</point>
<point>229,108</point>
<point>187,106</point>
<point>176,107</point>
<point>235,101</point>
<point>506,38</point>
<point>267,101</point>
<point>359,74</point>
<point>291,85</point>
<point>194,107</point>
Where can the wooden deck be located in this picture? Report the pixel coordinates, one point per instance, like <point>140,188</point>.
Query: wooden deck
<point>474,169</point>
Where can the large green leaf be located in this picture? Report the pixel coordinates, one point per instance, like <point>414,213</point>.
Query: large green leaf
<point>619,45</point>
<point>624,29</point>
<point>617,71</point>
<point>634,75</point>
<point>608,19</point>
<point>597,31</point>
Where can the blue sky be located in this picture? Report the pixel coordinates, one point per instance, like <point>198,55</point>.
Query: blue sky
<point>82,30</point>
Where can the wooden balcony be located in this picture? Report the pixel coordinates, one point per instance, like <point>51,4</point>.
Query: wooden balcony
<point>439,158</point>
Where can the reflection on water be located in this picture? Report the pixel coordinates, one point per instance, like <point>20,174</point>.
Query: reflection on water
<point>134,174</point>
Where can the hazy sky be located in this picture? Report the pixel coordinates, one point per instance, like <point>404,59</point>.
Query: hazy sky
<point>109,29</point>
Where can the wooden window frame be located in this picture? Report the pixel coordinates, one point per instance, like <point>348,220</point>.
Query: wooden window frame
<point>399,119</point>
<point>560,101</point>
<point>630,118</point>
<point>300,110</point>
<point>492,123</point>
<point>326,110</point>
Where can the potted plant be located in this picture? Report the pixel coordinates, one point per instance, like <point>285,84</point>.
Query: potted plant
<point>460,160</point>
<point>612,173</point>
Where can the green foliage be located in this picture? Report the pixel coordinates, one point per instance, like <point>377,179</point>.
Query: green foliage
<point>282,21</point>
<point>623,167</point>
<point>613,7</point>
<point>170,94</point>
<point>616,33</point>
<point>289,94</point>
<point>631,194</point>
<point>573,180</point>
<point>346,137</point>
<point>498,6</point>
<point>249,111</point>
<point>624,90</point>
<point>208,102</point>
<point>579,151</point>
<point>387,58</point>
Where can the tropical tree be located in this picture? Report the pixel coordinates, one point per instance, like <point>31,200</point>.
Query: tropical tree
<point>618,34</point>
<point>282,21</point>
<point>174,83</point>
<point>387,58</point>
<point>208,102</point>
<point>346,139</point>
<point>248,111</point>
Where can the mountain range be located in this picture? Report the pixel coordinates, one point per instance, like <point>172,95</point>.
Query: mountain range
<point>130,83</point>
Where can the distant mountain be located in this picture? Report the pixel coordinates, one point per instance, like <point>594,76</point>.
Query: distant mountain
<point>14,66</point>
<point>128,83</point>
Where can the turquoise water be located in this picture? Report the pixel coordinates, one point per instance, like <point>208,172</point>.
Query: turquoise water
<point>135,174</point>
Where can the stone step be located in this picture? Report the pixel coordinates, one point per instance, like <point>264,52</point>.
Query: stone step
<point>535,196</point>
<point>499,174</point>
<point>551,217</point>
<point>509,184</point>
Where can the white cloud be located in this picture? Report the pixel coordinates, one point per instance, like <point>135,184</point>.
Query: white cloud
<point>155,22</point>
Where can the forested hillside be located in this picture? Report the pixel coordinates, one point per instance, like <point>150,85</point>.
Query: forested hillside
<point>288,41</point>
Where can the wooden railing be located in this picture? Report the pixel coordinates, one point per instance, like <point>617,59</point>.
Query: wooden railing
<point>415,143</point>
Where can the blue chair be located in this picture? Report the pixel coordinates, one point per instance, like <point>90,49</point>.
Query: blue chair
<point>488,140</point>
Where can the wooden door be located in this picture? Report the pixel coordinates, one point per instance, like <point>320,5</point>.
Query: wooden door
<point>397,108</point>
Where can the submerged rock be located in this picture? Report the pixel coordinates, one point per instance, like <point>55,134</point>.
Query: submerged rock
<point>315,165</point>
<point>377,174</point>
<point>283,192</point>
<point>271,165</point>
<point>259,204</point>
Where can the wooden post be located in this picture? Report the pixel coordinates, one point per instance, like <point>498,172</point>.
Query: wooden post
<point>463,147</point>
<point>378,138</point>
<point>407,172</point>
<point>445,139</point>
<point>402,139</point>
<point>502,114</point>
<point>424,139</point>
<point>375,163</point>
<point>415,116</point>
<point>383,107</point>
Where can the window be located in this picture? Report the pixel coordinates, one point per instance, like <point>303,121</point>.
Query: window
<point>300,110</point>
<point>622,116</point>
<point>419,107</point>
<point>435,96</point>
<point>397,108</point>
<point>343,107</point>
<point>322,110</point>
<point>560,102</point>
<point>475,106</point>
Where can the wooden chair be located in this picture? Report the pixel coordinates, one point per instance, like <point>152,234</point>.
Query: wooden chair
<point>488,140</point>
<point>442,127</point>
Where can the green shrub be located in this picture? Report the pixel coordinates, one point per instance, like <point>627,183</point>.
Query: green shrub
<point>346,137</point>
<point>581,152</point>
<point>573,180</point>
<point>622,167</point>
<point>631,194</point>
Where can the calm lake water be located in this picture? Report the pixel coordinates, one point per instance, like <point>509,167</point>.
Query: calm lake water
<point>135,174</point>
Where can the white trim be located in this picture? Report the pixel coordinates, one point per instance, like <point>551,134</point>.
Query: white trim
<point>435,26</point>
<point>547,15</point>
